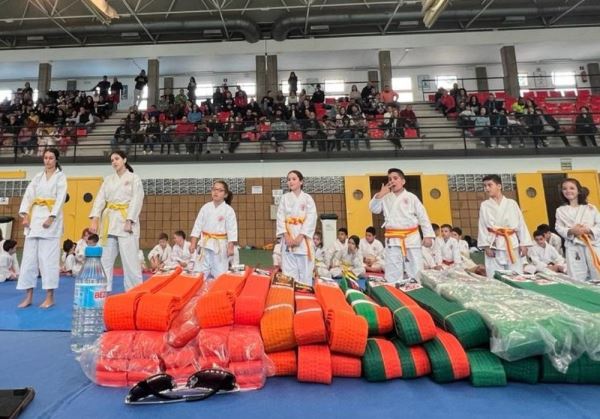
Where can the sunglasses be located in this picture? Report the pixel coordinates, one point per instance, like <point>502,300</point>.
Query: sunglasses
<point>162,388</point>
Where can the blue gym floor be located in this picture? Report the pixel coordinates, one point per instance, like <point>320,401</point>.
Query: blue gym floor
<point>36,354</point>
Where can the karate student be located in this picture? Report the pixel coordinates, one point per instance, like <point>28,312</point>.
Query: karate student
<point>503,234</point>
<point>68,257</point>
<point>115,217</point>
<point>553,239</point>
<point>180,252</point>
<point>449,252</point>
<point>321,263</point>
<point>8,270</point>
<point>160,253</point>
<point>80,250</point>
<point>545,257</point>
<point>372,251</point>
<point>340,243</point>
<point>296,222</point>
<point>404,214</point>
<point>42,216</point>
<point>349,259</point>
<point>216,227</point>
<point>578,222</point>
<point>277,253</point>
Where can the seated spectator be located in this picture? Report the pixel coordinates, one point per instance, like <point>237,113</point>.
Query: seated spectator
<point>181,98</point>
<point>551,127</point>
<point>395,128</point>
<point>279,130</point>
<point>585,128</point>
<point>264,133</point>
<point>388,95</point>
<point>241,100</point>
<point>122,136</point>
<point>491,104</point>
<point>410,119</point>
<point>359,126</point>
<point>499,127</point>
<point>328,126</point>
<point>517,128</point>
<point>233,132</point>
<point>355,94</point>
<point>466,117</point>
<point>447,104</point>
<point>67,137</point>
<point>26,140</point>
<point>482,128</point>
<point>318,95</point>
<point>152,135</point>
<point>461,96</point>
<point>312,133</point>
<point>519,106</point>
<point>194,115</point>
<point>535,127</point>
<point>214,141</point>
<point>530,104</point>
<point>184,134</point>
<point>344,125</point>
<point>474,104</point>
<point>279,98</point>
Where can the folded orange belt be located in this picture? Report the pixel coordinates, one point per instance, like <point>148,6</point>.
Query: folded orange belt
<point>309,325</point>
<point>216,307</point>
<point>277,323</point>
<point>245,344</point>
<point>250,304</point>
<point>184,326</point>
<point>314,364</point>
<point>285,362</point>
<point>212,347</point>
<point>345,366</point>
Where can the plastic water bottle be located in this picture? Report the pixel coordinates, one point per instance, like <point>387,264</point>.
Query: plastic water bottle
<point>88,302</point>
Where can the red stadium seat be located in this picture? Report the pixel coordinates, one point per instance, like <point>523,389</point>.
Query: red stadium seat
<point>375,132</point>
<point>541,94</point>
<point>570,93</point>
<point>295,135</point>
<point>555,93</point>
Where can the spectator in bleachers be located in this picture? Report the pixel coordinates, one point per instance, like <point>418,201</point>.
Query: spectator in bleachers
<point>482,128</point>
<point>318,95</point>
<point>328,126</point>
<point>530,104</point>
<point>26,140</point>
<point>60,118</point>
<point>551,127</point>
<point>103,85</point>
<point>519,106</point>
<point>360,125</point>
<point>233,132</point>
<point>302,96</point>
<point>461,96</point>
<point>454,91</point>
<point>218,99</point>
<point>292,99</point>
<point>279,129</point>
<point>68,136</point>
<point>344,126</point>
<point>27,92</point>
<point>410,119</point>
<point>266,103</point>
<point>194,115</point>
<point>191,88</point>
<point>116,88</point>
<point>354,93</point>
<point>184,134</point>
<point>163,104</point>
<point>122,136</point>
<point>447,103</point>
<point>535,127</point>
<point>240,100</point>
<point>474,104</point>
<point>499,126</point>
<point>368,92</point>
<point>516,128</point>
<point>152,135</point>
<point>140,82</point>
<point>293,83</point>
<point>491,104</point>
<point>311,133</point>
<point>585,128</point>
<point>395,128</point>
<point>388,95</point>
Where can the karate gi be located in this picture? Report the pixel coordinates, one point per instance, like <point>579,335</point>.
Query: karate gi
<point>449,253</point>
<point>215,226</point>
<point>120,199</point>
<point>41,252</point>
<point>505,215</point>
<point>541,257</point>
<point>297,215</point>
<point>346,260</point>
<point>7,266</point>
<point>580,256</point>
<point>162,254</point>
<point>372,250</point>
<point>402,212</point>
<point>180,256</point>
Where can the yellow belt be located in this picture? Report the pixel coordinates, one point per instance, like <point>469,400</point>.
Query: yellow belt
<point>122,208</point>
<point>402,234</point>
<point>42,202</point>
<point>298,221</point>
<point>212,236</point>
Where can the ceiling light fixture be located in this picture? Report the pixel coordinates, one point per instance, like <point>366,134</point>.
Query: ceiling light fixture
<point>105,9</point>
<point>432,10</point>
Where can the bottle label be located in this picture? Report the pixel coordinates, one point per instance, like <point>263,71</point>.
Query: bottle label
<point>90,296</point>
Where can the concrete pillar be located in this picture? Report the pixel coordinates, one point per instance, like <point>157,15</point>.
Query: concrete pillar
<point>168,84</point>
<point>272,82</point>
<point>482,81</point>
<point>373,76</point>
<point>593,69</point>
<point>153,78</point>
<point>266,75</point>
<point>385,68</point>
<point>44,79</point>
<point>511,73</point>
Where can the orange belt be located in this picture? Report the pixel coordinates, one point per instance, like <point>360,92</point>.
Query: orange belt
<point>506,233</point>
<point>297,221</point>
<point>402,234</point>
<point>595,258</point>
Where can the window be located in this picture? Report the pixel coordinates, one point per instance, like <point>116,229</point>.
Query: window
<point>5,95</point>
<point>249,88</point>
<point>144,102</point>
<point>563,79</point>
<point>447,82</point>
<point>36,95</point>
<point>523,80</point>
<point>334,86</point>
<point>403,85</point>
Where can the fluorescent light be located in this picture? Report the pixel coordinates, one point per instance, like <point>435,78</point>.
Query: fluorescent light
<point>104,8</point>
<point>432,10</point>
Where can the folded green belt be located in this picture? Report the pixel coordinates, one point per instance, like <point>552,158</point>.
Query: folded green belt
<point>466,325</point>
<point>380,361</point>
<point>379,319</point>
<point>525,370</point>
<point>486,369</point>
<point>582,371</point>
<point>448,359</point>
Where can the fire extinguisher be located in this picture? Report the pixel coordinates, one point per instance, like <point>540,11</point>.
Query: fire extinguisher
<point>583,75</point>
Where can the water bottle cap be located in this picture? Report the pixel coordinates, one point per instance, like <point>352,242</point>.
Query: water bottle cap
<point>93,251</point>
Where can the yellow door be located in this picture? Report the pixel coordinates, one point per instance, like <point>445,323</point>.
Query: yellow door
<point>358,194</point>
<point>589,179</point>
<point>532,199</point>
<point>82,192</point>
<point>436,198</point>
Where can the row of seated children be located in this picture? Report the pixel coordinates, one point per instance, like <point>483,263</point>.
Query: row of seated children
<point>73,255</point>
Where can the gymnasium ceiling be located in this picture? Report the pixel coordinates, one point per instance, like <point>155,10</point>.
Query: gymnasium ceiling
<point>68,23</point>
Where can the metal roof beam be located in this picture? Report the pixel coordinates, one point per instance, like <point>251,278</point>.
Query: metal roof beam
<point>135,16</point>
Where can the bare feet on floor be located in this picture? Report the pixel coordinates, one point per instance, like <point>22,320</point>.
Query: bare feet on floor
<point>25,303</point>
<point>47,304</point>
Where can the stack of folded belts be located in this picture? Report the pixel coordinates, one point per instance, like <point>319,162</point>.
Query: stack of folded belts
<point>379,319</point>
<point>247,357</point>
<point>120,309</point>
<point>309,325</point>
<point>277,323</point>
<point>184,327</point>
<point>250,304</point>
<point>347,332</point>
<point>180,363</point>
<point>381,361</point>
<point>216,307</point>
<point>525,370</point>
<point>285,362</point>
<point>413,324</point>
<point>466,325</point>
<point>448,359</point>
<point>314,364</point>
<point>414,359</point>
<point>486,369</point>
<point>212,347</point>
<point>346,366</point>
<point>157,311</point>
<point>582,371</point>
<point>126,357</point>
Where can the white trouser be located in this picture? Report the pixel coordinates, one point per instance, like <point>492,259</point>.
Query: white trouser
<point>212,264</point>
<point>137,97</point>
<point>40,256</point>
<point>580,264</point>
<point>396,265</point>
<point>501,262</point>
<point>128,248</point>
<point>299,267</point>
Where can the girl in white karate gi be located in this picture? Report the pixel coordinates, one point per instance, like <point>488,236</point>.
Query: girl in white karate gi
<point>578,222</point>
<point>404,214</point>
<point>42,216</point>
<point>321,259</point>
<point>215,230</point>
<point>115,217</point>
<point>296,223</point>
<point>349,259</point>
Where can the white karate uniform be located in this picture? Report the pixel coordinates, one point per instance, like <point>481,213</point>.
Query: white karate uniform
<point>403,211</point>
<point>428,258</point>
<point>372,250</point>
<point>297,262</point>
<point>162,254</point>
<point>213,219</point>
<point>449,253</point>
<point>580,265</point>
<point>7,266</point>
<point>68,261</point>
<point>277,254</point>
<point>126,189</point>
<point>506,214</point>
<point>465,255</point>
<point>321,264</point>
<point>330,252</point>
<point>463,247</point>
<point>15,259</point>
<point>556,242</point>
<point>541,257</point>
<point>41,251</point>
<point>179,256</point>
<point>79,256</point>
<point>351,261</point>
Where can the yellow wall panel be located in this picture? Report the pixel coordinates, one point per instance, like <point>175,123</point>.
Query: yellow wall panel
<point>12,174</point>
<point>358,216</point>
<point>76,210</point>
<point>589,179</point>
<point>533,207</point>
<point>438,209</point>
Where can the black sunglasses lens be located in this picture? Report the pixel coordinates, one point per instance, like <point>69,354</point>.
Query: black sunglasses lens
<point>150,386</point>
<point>213,379</point>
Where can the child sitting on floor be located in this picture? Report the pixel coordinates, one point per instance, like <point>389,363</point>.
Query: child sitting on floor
<point>67,260</point>
<point>160,253</point>
<point>348,260</point>
<point>8,270</point>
